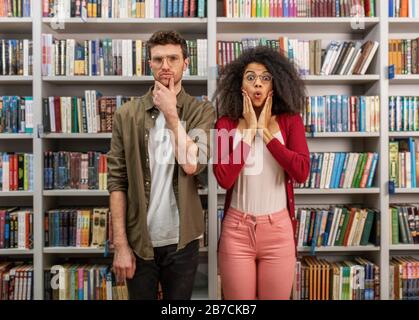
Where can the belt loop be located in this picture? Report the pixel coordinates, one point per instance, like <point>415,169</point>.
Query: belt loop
<point>243,217</point>
<point>271,220</point>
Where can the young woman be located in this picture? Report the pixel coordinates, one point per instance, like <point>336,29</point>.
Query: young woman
<point>261,149</point>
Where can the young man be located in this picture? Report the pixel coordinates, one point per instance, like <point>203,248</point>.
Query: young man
<point>156,211</point>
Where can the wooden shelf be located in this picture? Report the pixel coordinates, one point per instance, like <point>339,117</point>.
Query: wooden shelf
<point>77,136</point>
<point>367,248</point>
<point>295,25</point>
<point>116,80</point>
<point>16,193</point>
<point>76,193</point>
<point>343,135</point>
<point>16,136</point>
<point>337,191</point>
<point>126,25</point>
<point>15,252</point>
<point>16,26</point>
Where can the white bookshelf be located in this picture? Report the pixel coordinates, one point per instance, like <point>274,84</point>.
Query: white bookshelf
<point>404,247</point>
<point>15,252</point>
<point>403,134</point>
<point>349,249</point>
<point>76,193</point>
<point>15,79</point>
<point>126,25</point>
<point>214,28</point>
<point>94,80</point>
<point>16,194</point>
<point>407,190</point>
<point>15,136</point>
<point>77,135</point>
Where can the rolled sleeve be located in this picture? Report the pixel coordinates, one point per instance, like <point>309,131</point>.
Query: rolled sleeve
<point>200,133</point>
<point>117,169</point>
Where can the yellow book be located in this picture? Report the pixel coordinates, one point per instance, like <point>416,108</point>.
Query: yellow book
<point>254,8</point>
<point>138,57</point>
<point>90,9</point>
<point>138,10</point>
<point>142,9</point>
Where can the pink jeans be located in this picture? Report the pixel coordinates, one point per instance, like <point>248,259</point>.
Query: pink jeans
<point>257,256</point>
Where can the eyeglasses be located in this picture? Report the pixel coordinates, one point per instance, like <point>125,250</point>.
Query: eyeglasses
<point>264,78</point>
<point>172,60</point>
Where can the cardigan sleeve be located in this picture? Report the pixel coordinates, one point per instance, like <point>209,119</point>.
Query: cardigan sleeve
<point>293,157</point>
<point>230,161</point>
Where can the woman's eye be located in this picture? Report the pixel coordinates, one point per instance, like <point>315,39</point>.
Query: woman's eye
<point>250,78</point>
<point>267,78</point>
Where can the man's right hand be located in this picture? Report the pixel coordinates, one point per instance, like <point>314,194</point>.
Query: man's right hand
<point>124,263</point>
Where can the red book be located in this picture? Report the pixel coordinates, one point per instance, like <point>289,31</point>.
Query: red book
<point>349,226</point>
<point>186,8</point>
<point>280,9</point>
<point>57,110</point>
<point>192,8</point>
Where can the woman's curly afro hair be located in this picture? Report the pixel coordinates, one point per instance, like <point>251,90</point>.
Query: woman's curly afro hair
<point>288,88</point>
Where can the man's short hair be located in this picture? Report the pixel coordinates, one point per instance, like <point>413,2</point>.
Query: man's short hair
<point>167,37</point>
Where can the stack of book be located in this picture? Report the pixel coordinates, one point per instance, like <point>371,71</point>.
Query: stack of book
<point>330,170</point>
<point>16,228</point>
<point>404,224</point>
<point>342,113</point>
<point>124,8</point>
<point>16,171</point>
<point>75,170</point>
<point>404,278</point>
<point>339,57</point>
<point>16,57</point>
<point>336,226</point>
<point>404,55</point>
<point>16,8</point>
<point>16,114</point>
<point>351,279</point>
<point>16,281</point>
<point>403,8</point>
<point>298,8</point>
<point>403,113</point>
<point>81,281</point>
<point>105,57</point>
<point>404,162</point>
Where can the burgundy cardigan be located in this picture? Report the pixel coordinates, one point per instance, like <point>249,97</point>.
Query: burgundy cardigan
<point>293,156</point>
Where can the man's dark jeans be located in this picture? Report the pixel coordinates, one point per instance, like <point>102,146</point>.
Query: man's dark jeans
<point>175,271</point>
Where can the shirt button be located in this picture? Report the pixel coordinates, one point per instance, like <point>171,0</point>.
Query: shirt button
<point>146,159</point>
<point>147,183</point>
<point>146,135</point>
<point>153,116</point>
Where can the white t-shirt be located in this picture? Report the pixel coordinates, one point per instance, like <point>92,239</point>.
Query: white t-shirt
<point>260,187</point>
<point>163,213</point>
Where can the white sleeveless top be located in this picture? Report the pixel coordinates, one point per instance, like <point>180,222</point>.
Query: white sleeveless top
<point>260,187</point>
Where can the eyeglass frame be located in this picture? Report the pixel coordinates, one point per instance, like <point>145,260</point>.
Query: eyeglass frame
<point>258,76</point>
<point>160,64</point>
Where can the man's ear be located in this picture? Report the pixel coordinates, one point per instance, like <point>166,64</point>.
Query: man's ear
<point>186,64</point>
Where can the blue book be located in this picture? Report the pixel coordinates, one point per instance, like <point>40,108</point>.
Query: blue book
<point>14,113</point>
<point>335,162</point>
<point>181,5</point>
<point>334,113</point>
<point>163,8</point>
<point>412,160</point>
<point>175,6</point>
<point>317,225</point>
<point>413,3</point>
<point>391,8</point>
<point>345,110</point>
<point>201,8</point>
<point>286,8</point>
<point>328,227</point>
<point>337,8</point>
<point>372,170</point>
<point>335,174</point>
<point>362,110</point>
<point>170,8</point>
<point>339,114</point>
<point>56,235</point>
